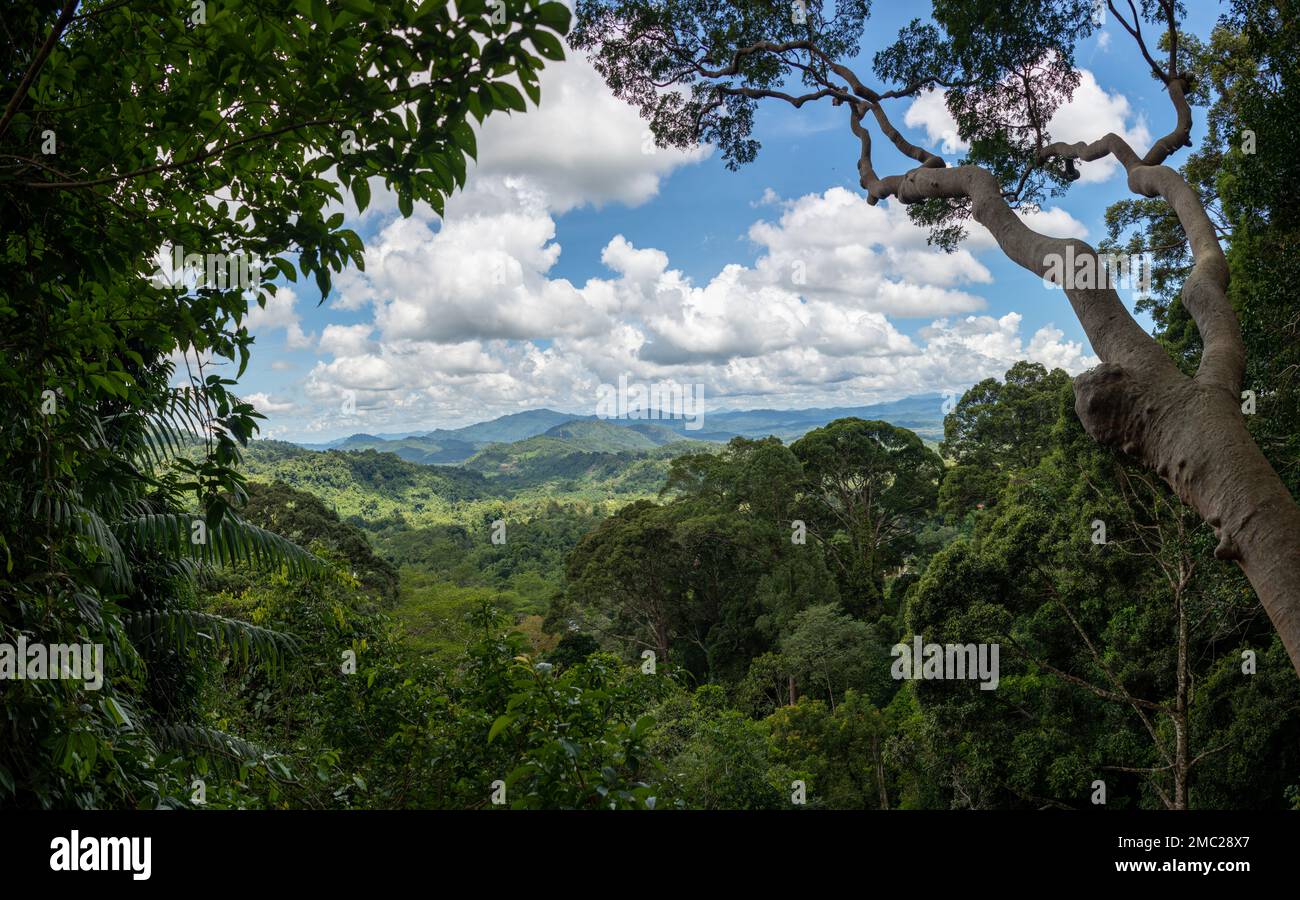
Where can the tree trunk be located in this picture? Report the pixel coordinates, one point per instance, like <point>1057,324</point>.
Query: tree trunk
<point>1194,436</point>
<point>1190,431</point>
<point>880,771</point>
<point>1182,757</point>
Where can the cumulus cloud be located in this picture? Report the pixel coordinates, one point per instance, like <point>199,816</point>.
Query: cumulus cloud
<point>581,146</point>
<point>481,275</point>
<point>347,340</point>
<point>264,404</point>
<point>959,347</point>
<point>279,314</point>
<point>929,112</point>
<point>812,321</point>
<point>1089,114</point>
<point>838,248</point>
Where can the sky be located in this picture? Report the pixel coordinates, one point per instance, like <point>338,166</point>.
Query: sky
<point>579,252</point>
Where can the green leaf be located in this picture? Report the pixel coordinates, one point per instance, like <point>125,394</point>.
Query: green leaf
<point>116,713</point>
<point>286,268</point>
<point>501,724</point>
<point>508,95</point>
<point>361,192</point>
<point>555,16</point>
<point>463,134</point>
<point>547,44</point>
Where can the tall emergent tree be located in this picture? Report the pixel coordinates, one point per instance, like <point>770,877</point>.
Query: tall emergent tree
<point>697,71</point>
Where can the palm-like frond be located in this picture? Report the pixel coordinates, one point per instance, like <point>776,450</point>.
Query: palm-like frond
<point>166,433</point>
<point>180,627</point>
<point>66,512</point>
<point>232,541</point>
<point>224,745</point>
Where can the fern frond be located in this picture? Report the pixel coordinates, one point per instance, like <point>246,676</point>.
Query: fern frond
<point>233,541</point>
<point>213,740</point>
<point>67,513</point>
<point>180,627</point>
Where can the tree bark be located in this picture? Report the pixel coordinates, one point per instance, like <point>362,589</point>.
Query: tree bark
<point>1195,438</point>
<point>1190,431</point>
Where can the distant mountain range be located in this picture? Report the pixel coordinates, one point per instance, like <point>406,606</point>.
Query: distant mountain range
<point>545,431</point>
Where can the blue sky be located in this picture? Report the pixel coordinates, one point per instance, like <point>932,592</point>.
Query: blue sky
<point>579,252</point>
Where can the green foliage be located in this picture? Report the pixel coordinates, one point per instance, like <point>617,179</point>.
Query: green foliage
<point>842,750</point>
<point>1005,77</point>
<point>868,487</point>
<point>304,519</point>
<point>828,653</point>
<point>995,429</point>
<point>641,46</point>
<point>235,134</point>
<point>1109,651</point>
<point>718,758</point>
<point>576,736</point>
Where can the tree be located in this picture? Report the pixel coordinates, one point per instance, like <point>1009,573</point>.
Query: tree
<point>697,72</point>
<point>629,574</point>
<point>717,758</point>
<point>827,652</point>
<point>229,133</point>
<point>996,428</point>
<point>842,749</point>
<point>867,485</point>
<point>579,736</point>
<point>1005,424</point>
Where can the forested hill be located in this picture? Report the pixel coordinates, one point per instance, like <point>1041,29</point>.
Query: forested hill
<point>921,414</point>
<point>438,475</point>
<point>589,461</point>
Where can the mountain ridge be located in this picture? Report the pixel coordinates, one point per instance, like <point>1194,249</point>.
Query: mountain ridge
<point>921,413</point>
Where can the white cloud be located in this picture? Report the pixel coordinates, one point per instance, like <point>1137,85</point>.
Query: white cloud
<point>930,112</point>
<point>1054,222</point>
<point>1047,348</point>
<point>449,344</point>
<point>483,275</point>
<point>838,248</point>
<point>581,146</point>
<point>279,314</point>
<point>1091,113</point>
<point>347,340</point>
<point>267,406</point>
<point>962,346</point>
